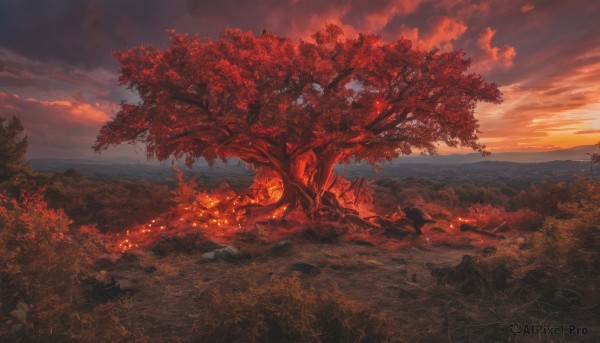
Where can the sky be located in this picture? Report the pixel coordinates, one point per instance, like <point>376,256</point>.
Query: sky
<point>58,75</point>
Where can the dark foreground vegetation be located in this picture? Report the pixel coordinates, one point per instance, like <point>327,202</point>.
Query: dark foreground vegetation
<point>60,284</point>
<point>526,259</point>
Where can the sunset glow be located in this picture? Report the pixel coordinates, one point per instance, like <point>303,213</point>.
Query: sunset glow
<point>57,73</point>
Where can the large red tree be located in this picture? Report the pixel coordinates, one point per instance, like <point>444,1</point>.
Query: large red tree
<point>296,107</point>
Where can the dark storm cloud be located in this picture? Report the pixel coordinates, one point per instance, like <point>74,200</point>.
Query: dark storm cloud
<point>80,32</point>
<point>57,72</point>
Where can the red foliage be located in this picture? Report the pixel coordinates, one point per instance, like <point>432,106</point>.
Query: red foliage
<point>296,108</point>
<point>486,216</point>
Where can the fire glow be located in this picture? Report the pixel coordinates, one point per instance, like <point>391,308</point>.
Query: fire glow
<point>221,213</point>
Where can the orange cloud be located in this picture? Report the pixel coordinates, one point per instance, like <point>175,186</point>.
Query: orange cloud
<point>441,32</point>
<point>587,132</point>
<point>304,27</point>
<point>561,114</point>
<point>463,9</point>
<point>378,19</point>
<point>300,19</point>
<point>527,8</point>
<point>493,57</point>
<point>57,128</point>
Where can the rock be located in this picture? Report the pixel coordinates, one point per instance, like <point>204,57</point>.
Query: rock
<point>487,251</point>
<point>363,243</point>
<point>467,227</point>
<point>106,261</point>
<point>465,276</point>
<point>417,217</point>
<point>306,268</point>
<point>500,275</point>
<point>127,284</point>
<point>228,253</point>
<point>209,246</point>
<point>129,280</point>
<point>208,256</point>
<point>282,247</point>
<point>132,258</point>
<point>20,312</point>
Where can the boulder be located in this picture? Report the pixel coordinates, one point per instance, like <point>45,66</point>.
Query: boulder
<point>227,253</point>
<point>282,247</point>
<point>306,268</point>
<point>363,243</point>
<point>209,246</point>
<point>106,261</point>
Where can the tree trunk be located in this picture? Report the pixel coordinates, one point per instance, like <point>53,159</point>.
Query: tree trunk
<point>305,180</point>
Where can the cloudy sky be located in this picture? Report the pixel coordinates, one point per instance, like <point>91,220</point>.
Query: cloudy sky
<point>57,73</point>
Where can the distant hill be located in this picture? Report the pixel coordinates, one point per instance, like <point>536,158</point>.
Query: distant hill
<point>577,153</point>
<point>520,167</point>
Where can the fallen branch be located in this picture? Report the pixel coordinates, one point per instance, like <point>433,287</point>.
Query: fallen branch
<point>466,227</point>
<point>497,227</point>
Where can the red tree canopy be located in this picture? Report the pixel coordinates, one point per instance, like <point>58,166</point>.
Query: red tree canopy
<point>269,97</point>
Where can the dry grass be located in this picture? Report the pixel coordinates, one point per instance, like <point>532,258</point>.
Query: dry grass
<point>42,267</point>
<point>283,311</point>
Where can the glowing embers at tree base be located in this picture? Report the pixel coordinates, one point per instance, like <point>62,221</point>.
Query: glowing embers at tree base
<point>221,213</point>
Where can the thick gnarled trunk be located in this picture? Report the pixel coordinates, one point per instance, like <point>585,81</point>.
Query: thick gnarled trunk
<point>306,179</point>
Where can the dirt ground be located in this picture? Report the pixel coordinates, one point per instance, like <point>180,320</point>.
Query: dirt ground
<point>163,301</point>
<point>163,294</point>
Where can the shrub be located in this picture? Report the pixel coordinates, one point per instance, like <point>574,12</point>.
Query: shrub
<point>488,217</point>
<point>112,205</point>
<point>13,145</point>
<point>41,268</point>
<point>282,311</point>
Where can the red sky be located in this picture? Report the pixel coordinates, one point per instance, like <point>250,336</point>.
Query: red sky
<point>57,73</point>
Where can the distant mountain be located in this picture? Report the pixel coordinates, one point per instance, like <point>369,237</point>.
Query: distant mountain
<point>577,153</point>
